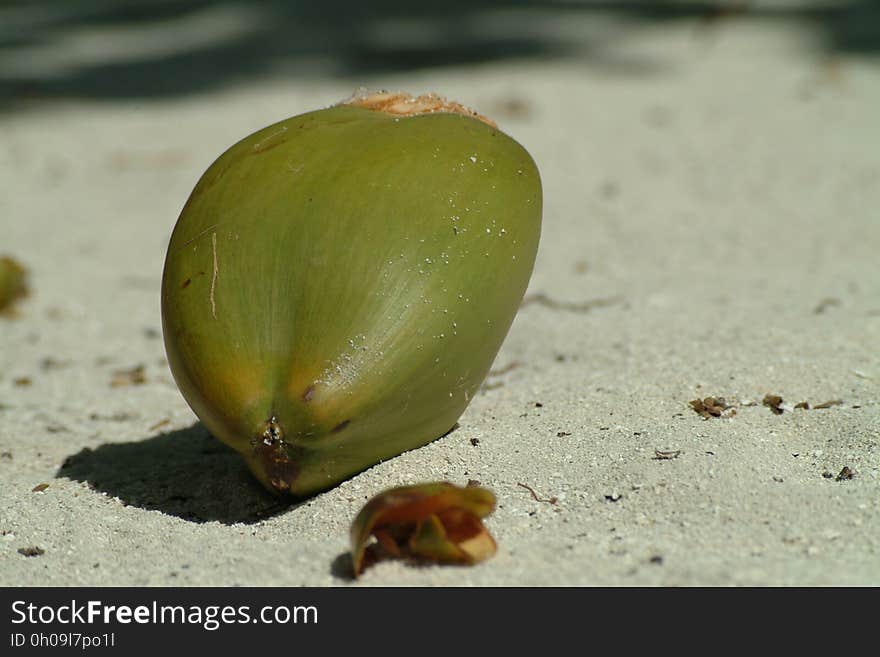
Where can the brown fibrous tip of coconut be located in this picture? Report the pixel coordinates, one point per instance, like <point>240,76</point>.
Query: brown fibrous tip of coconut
<point>402,104</point>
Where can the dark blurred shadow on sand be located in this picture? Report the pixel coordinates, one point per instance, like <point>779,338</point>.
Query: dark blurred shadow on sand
<point>139,49</point>
<point>184,473</point>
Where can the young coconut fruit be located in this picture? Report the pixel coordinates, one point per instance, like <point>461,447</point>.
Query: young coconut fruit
<point>339,283</point>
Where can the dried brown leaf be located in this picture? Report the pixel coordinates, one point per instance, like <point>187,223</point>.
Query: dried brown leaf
<point>129,377</point>
<point>710,406</point>
<point>773,402</point>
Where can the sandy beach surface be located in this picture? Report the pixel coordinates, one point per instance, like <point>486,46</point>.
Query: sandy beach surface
<point>711,229</point>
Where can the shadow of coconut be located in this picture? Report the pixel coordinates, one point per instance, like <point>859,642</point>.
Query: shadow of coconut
<point>184,473</point>
<point>342,567</point>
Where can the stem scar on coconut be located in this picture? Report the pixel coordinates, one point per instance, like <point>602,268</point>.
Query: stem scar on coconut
<point>364,266</point>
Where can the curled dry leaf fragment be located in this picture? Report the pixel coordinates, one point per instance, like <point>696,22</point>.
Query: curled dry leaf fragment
<point>436,522</point>
<point>710,406</point>
<point>774,403</point>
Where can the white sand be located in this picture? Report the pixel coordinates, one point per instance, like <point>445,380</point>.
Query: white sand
<point>722,197</point>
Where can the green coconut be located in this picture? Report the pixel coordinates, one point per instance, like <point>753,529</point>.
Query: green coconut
<point>338,284</point>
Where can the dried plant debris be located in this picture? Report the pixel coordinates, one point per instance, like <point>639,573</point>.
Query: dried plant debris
<point>536,497</point>
<point>13,285</point>
<point>493,374</point>
<point>160,424</point>
<point>32,551</point>
<point>825,304</point>
<point>50,363</point>
<point>543,300</point>
<point>774,403</point>
<point>709,407</point>
<point>805,405</point>
<point>507,368</point>
<point>39,488</point>
<point>666,456</point>
<point>845,474</point>
<point>120,416</point>
<point>436,522</point>
<point>22,381</point>
<point>129,377</point>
